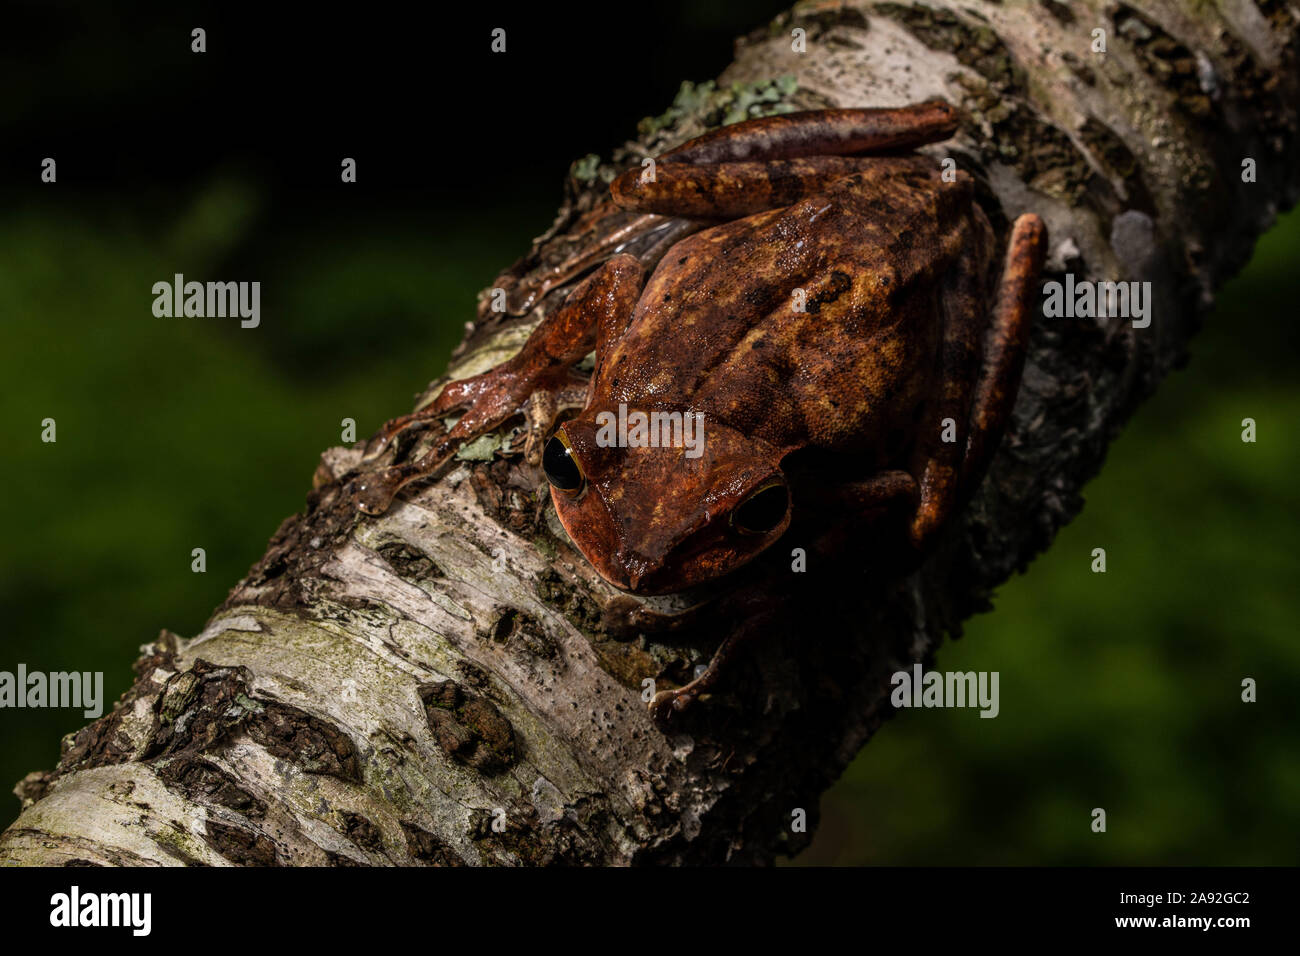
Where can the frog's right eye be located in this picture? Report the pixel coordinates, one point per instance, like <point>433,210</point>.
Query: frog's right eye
<point>762,511</point>
<point>561,467</point>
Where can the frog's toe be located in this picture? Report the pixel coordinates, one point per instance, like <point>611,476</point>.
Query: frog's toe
<point>375,447</point>
<point>384,438</point>
<point>533,445</point>
<point>669,703</point>
<point>374,493</point>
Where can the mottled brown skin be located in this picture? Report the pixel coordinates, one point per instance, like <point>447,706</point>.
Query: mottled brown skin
<point>897,272</point>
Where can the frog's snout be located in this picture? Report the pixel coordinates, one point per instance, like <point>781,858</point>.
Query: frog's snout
<point>637,568</point>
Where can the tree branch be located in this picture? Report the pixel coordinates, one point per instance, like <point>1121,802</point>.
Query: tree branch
<point>451,683</point>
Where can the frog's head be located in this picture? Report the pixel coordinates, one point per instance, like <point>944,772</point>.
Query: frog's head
<point>658,519</point>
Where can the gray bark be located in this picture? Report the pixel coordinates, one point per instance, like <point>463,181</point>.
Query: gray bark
<point>384,691</point>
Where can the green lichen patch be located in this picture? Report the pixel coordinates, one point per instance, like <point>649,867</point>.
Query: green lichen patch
<point>698,108</point>
<point>482,448</point>
<point>584,170</point>
<point>178,843</point>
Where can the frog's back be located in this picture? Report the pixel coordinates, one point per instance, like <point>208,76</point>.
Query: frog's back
<point>716,328</point>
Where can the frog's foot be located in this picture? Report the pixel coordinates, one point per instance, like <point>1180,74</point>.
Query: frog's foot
<point>538,394</point>
<point>404,425</point>
<point>544,364</point>
<point>668,703</point>
<point>541,412</point>
<point>489,400</point>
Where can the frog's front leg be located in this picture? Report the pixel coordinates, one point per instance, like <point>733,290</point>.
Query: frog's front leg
<point>749,614</point>
<point>668,703</point>
<point>980,399</point>
<point>544,364</point>
<point>1008,340</point>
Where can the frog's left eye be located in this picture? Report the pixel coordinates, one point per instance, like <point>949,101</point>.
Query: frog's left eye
<point>763,510</point>
<point>561,469</point>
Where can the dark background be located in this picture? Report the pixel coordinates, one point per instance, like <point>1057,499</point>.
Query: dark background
<point>1118,690</point>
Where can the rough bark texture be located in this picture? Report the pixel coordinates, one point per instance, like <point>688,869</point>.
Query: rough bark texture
<point>451,684</point>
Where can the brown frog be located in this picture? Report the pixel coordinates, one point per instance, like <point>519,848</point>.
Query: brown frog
<point>842,308</point>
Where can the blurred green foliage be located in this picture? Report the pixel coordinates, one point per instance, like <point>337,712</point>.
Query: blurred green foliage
<point>175,434</point>
<point>1118,690</point>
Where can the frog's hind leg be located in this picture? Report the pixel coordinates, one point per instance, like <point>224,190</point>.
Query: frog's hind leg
<point>844,132</point>
<point>941,440</point>
<point>545,363</point>
<point>730,190</point>
<point>1008,339</point>
<point>976,393</point>
<point>606,231</point>
<point>774,161</point>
